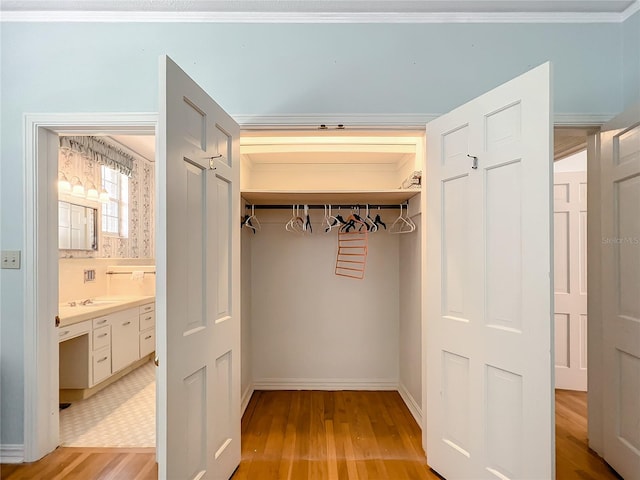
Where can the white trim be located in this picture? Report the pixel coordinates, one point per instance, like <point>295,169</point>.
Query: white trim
<point>332,120</point>
<point>246,398</point>
<point>313,17</point>
<point>11,453</point>
<point>631,9</point>
<point>325,384</point>
<point>40,388</point>
<point>383,120</point>
<point>412,405</point>
<point>581,119</point>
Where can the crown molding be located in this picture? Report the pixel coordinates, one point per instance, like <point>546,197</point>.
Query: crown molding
<point>314,17</point>
<point>630,10</point>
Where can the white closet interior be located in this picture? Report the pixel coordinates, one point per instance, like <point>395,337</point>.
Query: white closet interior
<point>304,327</point>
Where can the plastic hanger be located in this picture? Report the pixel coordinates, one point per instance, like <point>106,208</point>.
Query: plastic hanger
<point>371,224</point>
<point>251,221</point>
<point>402,224</point>
<point>296,223</point>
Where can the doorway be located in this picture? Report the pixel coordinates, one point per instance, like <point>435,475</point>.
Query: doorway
<point>42,261</point>
<point>51,175</point>
<point>106,269</point>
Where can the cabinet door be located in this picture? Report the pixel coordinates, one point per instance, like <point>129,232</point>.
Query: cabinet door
<point>124,342</point>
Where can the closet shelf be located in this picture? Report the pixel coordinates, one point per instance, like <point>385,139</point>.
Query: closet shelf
<point>333,197</point>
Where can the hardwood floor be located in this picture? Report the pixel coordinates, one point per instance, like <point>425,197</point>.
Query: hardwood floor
<point>330,435</point>
<point>322,435</point>
<point>88,464</point>
<point>574,459</point>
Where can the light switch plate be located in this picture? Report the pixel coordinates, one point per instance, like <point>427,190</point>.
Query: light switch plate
<point>11,259</point>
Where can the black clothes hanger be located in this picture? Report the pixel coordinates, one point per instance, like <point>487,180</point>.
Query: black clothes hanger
<point>246,222</point>
<point>378,221</point>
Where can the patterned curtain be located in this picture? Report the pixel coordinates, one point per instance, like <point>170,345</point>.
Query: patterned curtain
<point>99,151</point>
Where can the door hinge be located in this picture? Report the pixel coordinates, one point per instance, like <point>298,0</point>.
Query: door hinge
<point>57,321</point>
<point>156,360</point>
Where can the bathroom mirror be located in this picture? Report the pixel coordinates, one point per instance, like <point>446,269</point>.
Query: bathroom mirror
<point>77,227</point>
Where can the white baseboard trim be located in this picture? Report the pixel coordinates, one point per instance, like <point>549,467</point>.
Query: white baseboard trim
<point>11,453</point>
<point>411,403</point>
<point>246,397</point>
<point>324,384</point>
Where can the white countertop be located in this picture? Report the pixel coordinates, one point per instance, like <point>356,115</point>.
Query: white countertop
<point>103,306</point>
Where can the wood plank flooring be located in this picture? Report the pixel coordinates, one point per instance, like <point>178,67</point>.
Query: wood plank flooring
<point>330,435</point>
<point>574,458</point>
<point>88,464</point>
<point>322,435</point>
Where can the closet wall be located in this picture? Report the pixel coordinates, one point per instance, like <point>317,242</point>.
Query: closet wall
<point>313,329</point>
<point>410,318</point>
<point>245,317</point>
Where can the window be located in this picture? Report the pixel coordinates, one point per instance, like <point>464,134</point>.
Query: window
<point>115,213</point>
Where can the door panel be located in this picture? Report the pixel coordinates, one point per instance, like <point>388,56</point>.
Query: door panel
<point>198,269</point>
<point>620,161</point>
<point>488,399</point>
<point>570,279</point>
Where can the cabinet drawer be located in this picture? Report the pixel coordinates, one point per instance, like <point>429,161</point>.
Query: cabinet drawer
<point>147,320</point>
<point>72,331</point>
<point>147,342</point>
<point>100,322</point>
<point>101,365</point>
<point>149,307</point>
<point>102,337</point>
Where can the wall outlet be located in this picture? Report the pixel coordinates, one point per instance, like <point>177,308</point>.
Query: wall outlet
<point>10,259</point>
<point>89,275</point>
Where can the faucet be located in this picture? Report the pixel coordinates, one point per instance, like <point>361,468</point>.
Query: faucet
<point>85,302</point>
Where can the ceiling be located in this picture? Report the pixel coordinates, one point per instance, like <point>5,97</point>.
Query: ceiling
<point>325,10</point>
<point>143,145</point>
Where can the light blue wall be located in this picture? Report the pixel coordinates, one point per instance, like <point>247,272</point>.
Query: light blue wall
<point>631,60</point>
<point>269,69</point>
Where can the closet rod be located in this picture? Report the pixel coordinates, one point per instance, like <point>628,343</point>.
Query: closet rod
<point>334,206</point>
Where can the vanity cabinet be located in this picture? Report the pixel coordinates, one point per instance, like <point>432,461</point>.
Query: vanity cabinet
<point>94,350</point>
<point>124,339</point>
<point>147,336</point>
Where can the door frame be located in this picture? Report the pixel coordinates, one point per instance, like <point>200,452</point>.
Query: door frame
<point>40,260</point>
<point>40,436</point>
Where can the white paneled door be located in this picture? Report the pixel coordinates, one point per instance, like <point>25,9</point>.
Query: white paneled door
<point>488,303</point>
<point>620,189</point>
<point>570,279</point>
<point>199,366</point>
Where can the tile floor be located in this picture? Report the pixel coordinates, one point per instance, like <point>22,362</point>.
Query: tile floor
<point>121,415</point>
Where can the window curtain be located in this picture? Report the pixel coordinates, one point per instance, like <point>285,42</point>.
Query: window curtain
<point>99,151</point>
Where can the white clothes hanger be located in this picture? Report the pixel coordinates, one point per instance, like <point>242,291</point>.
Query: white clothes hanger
<point>403,224</point>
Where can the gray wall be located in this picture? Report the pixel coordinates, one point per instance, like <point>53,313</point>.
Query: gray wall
<point>274,69</point>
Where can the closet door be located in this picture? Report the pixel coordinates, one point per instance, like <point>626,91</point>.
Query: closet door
<point>488,300</point>
<point>198,317</point>
<point>620,253</point>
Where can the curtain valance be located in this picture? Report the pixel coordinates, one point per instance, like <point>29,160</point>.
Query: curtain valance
<point>99,151</point>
